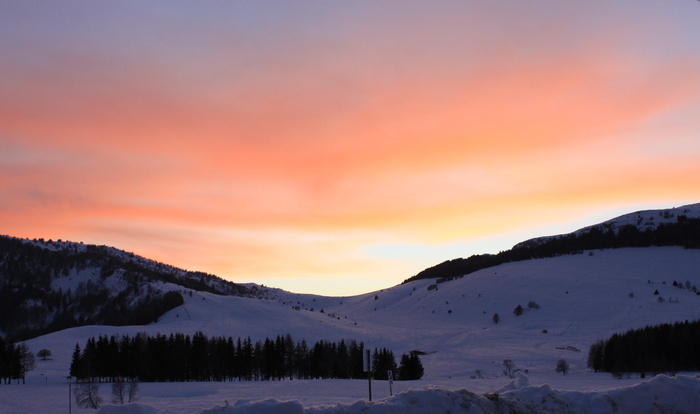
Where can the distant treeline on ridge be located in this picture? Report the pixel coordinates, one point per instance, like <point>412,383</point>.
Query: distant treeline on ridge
<point>179,357</point>
<point>684,232</point>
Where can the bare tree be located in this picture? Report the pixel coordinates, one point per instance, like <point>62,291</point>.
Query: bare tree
<point>508,367</point>
<point>87,395</point>
<point>132,390</point>
<point>562,366</point>
<point>118,391</point>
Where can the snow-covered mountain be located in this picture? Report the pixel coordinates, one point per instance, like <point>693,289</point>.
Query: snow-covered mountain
<point>47,286</point>
<point>671,227</point>
<point>643,221</point>
<point>568,301</point>
<point>52,285</point>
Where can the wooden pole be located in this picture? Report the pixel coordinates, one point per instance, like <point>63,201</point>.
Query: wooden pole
<point>70,400</point>
<point>367,366</point>
<point>369,381</point>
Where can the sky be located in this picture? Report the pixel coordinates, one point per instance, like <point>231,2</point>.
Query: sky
<point>340,147</point>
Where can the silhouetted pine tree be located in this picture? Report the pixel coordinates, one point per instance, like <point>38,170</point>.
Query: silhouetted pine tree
<point>76,367</point>
<point>382,362</point>
<point>410,367</point>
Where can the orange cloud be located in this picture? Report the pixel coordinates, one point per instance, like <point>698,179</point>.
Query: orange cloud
<point>224,151</point>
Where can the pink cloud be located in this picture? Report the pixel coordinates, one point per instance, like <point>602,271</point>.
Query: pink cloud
<point>419,127</point>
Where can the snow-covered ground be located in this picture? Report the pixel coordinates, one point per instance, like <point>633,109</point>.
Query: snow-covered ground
<point>580,299</point>
<point>660,394</point>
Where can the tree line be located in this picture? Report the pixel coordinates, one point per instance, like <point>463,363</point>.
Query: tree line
<point>15,361</point>
<point>178,357</point>
<point>653,349</point>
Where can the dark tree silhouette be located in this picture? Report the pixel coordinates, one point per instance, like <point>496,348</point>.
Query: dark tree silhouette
<point>410,367</point>
<point>562,366</point>
<point>660,348</point>
<point>178,357</point>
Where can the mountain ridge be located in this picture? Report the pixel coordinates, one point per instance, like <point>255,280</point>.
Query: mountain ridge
<point>47,286</point>
<point>52,285</point>
<point>679,226</point>
<point>643,220</point>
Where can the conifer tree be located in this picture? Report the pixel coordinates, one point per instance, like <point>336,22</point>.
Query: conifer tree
<point>382,362</point>
<point>76,363</point>
<point>410,367</point>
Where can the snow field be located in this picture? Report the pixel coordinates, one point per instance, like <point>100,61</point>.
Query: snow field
<point>661,394</point>
<point>581,299</point>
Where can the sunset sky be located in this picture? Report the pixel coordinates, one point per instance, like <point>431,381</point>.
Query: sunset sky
<point>340,147</point>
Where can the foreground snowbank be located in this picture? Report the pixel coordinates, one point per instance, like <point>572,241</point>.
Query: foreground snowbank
<point>660,394</point>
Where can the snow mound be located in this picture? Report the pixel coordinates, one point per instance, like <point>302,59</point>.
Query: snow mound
<point>428,400</point>
<point>520,381</point>
<point>661,394</point>
<point>270,406</point>
<point>132,408</point>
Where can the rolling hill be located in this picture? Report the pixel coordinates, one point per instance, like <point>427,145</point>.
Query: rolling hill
<point>668,227</point>
<point>47,286</point>
<point>579,299</point>
<point>568,302</point>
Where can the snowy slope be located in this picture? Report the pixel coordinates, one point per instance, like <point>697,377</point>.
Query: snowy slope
<point>651,219</point>
<point>581,298</point>
<point>122,262</point>
<point>569,302</point>
<point>47,286</point>
<point>643,220</point>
